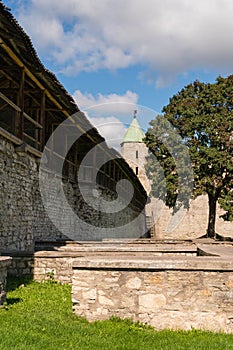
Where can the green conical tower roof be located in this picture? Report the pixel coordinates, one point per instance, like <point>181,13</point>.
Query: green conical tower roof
<point>134,133</point>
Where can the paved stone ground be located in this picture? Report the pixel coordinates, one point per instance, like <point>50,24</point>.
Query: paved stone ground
<point>215,248</point>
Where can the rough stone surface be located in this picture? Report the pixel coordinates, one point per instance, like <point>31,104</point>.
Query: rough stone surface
<point>22,215</point>
<point>41,268</point>
<point>57,260</point>
<point>4,263</point>
<point>23,218</point>
<point>17,177</point>
<point>194,223</point>
<point>135,154</point>
<point>174,293</point>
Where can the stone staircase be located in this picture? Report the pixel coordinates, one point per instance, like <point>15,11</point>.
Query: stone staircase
<point>150,226</point>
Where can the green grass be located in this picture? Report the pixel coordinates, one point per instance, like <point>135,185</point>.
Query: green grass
<point>39,316</point>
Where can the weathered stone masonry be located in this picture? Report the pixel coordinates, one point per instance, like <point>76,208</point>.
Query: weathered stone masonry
<point>4,264</point>
<point>23,217</point>
<point>22,214</point>
<point>181,293</point>
<point>149,284</point>
<point>58,257</point>
<point>17,183</point>
<point>32,105</point>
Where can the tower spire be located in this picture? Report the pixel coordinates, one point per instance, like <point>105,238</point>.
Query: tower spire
<point>134,132</point>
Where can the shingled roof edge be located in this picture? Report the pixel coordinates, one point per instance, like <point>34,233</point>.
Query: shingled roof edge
<point>34,54</point>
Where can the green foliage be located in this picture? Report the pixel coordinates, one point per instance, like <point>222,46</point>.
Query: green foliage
<point>202,114</point>
<point>169,165</point>
<point>51,276</point>
<point>39,316</point>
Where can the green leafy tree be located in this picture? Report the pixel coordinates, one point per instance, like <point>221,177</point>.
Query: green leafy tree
<point>202,114</point>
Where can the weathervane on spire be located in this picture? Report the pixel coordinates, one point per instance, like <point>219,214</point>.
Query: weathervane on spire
<point>135,113</point>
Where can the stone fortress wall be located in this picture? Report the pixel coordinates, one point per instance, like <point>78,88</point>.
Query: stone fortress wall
<point>16,198</point>
<point>195,221</point>
<point>23,217</point>
<point>165,286</point>
<point>33,103</point>
<point>135,155</point>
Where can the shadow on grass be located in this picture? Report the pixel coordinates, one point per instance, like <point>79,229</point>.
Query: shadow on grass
<point>12,301</point>
<point>14,282</point>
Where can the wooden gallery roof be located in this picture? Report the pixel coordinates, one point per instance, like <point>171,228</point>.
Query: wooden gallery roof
<point>32,100</point>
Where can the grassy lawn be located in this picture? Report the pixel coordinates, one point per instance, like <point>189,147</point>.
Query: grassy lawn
<point>39,316</point>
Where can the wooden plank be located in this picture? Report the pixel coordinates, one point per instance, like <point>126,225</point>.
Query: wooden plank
<point>17,141</point>
<point>10,77</point>
<point>19,119</point>
<point>12,104</point>
<point>94,165</point>
<point>42,120</point>
<point>32,120</point>
<point>8,67</point>
<point>31,138</point>
<point>3,106</point>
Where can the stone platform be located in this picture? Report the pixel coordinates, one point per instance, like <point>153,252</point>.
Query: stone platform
<point>166,291</point>
<point>168,284</point>
<point>57,257</point>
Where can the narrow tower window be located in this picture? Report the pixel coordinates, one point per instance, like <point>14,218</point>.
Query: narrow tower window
<point>136,170</point>
<point>136,154</point>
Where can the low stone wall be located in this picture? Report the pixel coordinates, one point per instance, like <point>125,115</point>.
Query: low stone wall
<point>4,263</point>
<point>43,266</point>
<point>180,293</point>
<point>55,259</point>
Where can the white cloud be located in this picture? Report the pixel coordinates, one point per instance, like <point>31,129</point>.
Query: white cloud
<point>112,104</point>
<point>167,37</point>
<point>102,111</point>
<point>111,128</point>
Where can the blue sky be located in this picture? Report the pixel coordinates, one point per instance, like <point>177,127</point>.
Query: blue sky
<point>136,53</point>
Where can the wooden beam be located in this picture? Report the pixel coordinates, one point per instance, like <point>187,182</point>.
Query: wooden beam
<point>94,165</point>
<point>42,120</point>
<point>30,119</point>
<point>9,90</point>
<point>28,92</point>
<point>31,75</point>
<point>19,119</point>
<point>18,61</point>
<point>9,77</point>
<point>52,110</point>
<point>12,104</point>
<point>17,141</point>
<point>36,81</point>
<point>8,67</point>
<point>3,106</point>
<point>33,139</point>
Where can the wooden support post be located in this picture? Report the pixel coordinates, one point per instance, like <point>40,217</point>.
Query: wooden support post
<point>114,171</point>
<point>19,120</point>
<point>76,162</point>
<point>94,166</point>
<point>42,120</point>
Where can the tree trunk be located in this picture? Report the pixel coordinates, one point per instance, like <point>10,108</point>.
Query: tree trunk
<point>212,216</point>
